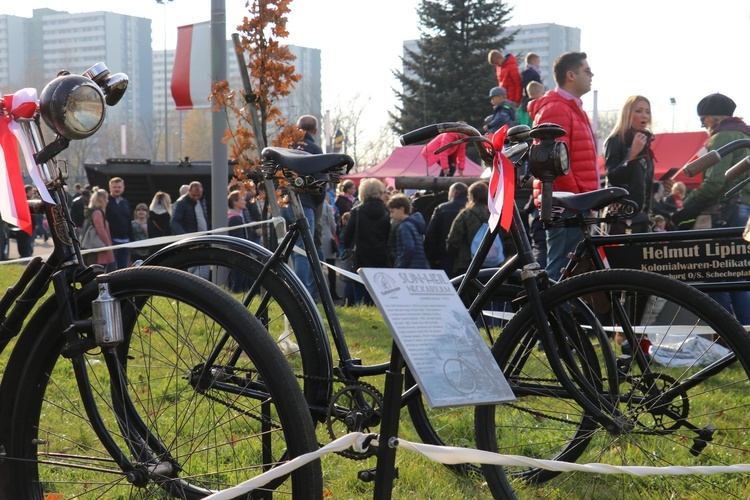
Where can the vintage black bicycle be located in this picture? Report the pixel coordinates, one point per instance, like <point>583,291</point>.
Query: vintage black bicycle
<point>126,385</point>
<point>578,400</point>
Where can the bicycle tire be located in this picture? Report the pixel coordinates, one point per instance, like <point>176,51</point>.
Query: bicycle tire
<point>212,438</point>
<point>654,428</point>
<point>283,305</point>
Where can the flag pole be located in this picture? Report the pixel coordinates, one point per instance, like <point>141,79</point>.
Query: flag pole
<point>219,157</point>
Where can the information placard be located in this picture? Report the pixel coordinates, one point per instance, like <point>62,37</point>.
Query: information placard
<point>439,342</point>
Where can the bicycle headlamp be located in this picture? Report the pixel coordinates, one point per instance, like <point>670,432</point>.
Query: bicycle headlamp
<point>73,106</point>
<point>548,159</point>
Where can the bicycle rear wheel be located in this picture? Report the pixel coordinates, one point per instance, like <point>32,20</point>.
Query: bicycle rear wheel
<point>668,409</point>
<point>182,429</point>
<point>282,308</point>
<point>280,303</point>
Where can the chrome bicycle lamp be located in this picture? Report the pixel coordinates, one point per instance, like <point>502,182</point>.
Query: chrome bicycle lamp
<point>73,106</point>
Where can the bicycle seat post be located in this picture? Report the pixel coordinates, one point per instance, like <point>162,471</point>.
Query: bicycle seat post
<point>308,243</point>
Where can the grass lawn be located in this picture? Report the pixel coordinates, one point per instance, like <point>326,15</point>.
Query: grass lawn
<point>420,478</point>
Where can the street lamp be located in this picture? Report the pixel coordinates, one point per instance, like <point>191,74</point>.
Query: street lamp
<point>672,101</point>
<point>166,125</point>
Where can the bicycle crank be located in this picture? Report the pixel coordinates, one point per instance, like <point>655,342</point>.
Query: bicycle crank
<point>357,407</point>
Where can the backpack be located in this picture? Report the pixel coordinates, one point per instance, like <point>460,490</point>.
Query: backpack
<point>495,255</point>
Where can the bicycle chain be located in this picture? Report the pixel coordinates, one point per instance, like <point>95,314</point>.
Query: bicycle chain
<point>260,418</point>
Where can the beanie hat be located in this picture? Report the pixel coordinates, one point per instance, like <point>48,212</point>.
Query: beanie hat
<point>498,91</point>
<point>716,105</point>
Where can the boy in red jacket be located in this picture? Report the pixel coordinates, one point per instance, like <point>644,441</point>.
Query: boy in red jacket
<point>508,76</point>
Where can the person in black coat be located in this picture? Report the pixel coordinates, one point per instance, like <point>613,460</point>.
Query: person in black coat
<point>77,208</point>
<point>368,229</point>
<point>440,225</point>
<point>629,162</point>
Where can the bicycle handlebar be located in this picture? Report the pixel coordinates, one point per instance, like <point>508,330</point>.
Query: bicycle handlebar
<point>738,169</point>
<point>713,157</point>
<point>698,165</point>
<point>430,131</point>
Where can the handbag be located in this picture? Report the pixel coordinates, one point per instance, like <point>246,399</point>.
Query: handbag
<point>90,238</point>
<point>349,256</point>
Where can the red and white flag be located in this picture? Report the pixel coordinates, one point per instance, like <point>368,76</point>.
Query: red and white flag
<point>191,74</point>
<point>502,184</point>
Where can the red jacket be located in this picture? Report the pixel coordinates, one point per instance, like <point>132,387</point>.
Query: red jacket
<point>457,153</point>
<point>509,78</point>
<point>554,108</point>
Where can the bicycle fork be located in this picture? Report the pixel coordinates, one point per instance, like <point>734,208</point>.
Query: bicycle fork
<point>534,279</point>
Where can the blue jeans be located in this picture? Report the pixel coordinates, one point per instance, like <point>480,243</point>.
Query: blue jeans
<point>737,303</point>
<point>743,213</point>
<point>301,264</point>
<point>560,242</point>
<point>361,295</point>
<point>122,255</point>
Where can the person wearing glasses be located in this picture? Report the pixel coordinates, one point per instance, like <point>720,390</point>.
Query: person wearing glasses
<point>563,106</point>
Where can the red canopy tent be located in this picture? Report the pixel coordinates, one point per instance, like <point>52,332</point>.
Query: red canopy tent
<point>674,150</point>
<point>407,161</point>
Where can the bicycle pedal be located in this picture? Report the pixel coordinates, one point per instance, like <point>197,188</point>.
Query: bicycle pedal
<point>705,435</point>
<point>368,475</point>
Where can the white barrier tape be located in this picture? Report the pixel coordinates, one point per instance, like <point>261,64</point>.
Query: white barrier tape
<point>453,455</point>
<point>161,240</point>
<point>165,240</point>
<point>354,439</point>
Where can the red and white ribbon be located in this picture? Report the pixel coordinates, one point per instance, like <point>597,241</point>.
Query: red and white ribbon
<point>13,205</point>
<point>502,184</point>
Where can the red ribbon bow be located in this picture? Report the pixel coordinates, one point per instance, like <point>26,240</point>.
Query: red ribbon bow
<point>502,184</point>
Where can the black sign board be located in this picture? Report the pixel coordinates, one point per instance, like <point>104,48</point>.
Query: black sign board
<point>695,260</point>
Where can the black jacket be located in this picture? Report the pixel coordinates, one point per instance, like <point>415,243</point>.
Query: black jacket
<point>184,219</point>
<point>374,224</point>
<point>119,216</point>
<point>440,225</point>
<point>76,211</point>
<point>637,176</point>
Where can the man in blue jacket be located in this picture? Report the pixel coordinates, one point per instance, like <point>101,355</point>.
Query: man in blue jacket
<point>119,216</point>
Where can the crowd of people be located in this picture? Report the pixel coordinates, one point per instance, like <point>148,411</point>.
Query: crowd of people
<point>384,230</point>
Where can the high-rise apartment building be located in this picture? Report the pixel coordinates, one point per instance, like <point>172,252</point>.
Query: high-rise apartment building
<point>548,40</point>
<point>304,99</point>
<point>33,50</point>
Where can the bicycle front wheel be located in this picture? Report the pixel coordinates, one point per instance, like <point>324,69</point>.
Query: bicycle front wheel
<point>684,402</point>
<point>197,398</point>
